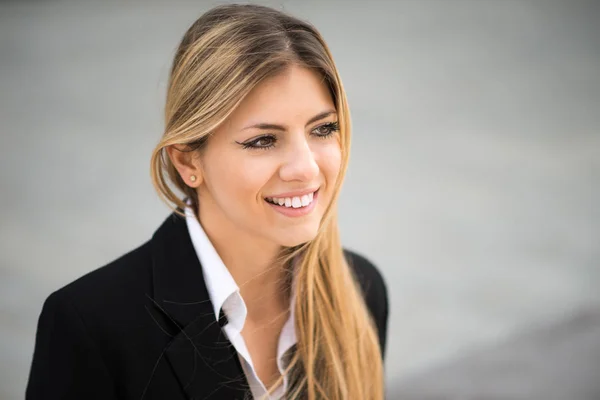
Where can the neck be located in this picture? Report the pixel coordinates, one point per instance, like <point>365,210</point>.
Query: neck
<point>252,262</point>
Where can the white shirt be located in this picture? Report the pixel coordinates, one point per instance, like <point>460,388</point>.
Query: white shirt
<point>225,295</point>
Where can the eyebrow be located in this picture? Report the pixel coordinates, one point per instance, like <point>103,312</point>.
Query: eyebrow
<point>282,128</point>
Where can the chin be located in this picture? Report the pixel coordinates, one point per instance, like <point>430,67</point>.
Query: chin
<point>297,235</point>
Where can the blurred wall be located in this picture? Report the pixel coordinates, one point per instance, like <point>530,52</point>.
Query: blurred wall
<point>473,182</point>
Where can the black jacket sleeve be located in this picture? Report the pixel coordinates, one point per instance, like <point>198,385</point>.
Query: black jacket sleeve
<point>66,362</point>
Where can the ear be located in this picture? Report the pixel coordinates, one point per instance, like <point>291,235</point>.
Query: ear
<point>187,164</point>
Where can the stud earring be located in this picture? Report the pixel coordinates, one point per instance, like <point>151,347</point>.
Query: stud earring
<point>193,178</point>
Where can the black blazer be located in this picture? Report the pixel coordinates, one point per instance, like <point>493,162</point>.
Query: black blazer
<point>143,327</point>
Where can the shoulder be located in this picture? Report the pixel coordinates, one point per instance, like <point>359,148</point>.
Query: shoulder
<point>124,272</point>
<point>109,290</point>
<point>374,290</point>
<point>367,274</point>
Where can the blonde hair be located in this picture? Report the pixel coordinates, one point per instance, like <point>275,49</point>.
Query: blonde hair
<point>221,58</point>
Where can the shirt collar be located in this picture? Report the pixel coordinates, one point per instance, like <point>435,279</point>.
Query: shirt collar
<point>224,293</point>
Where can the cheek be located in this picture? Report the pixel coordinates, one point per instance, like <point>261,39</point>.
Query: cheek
<point>330,161</point>
<point>237,178</point>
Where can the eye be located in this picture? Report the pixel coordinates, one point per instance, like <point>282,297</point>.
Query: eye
<point>326,129</point>
<point>262,142</point>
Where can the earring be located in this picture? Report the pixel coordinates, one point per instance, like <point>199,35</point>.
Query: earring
<point>193,178</point>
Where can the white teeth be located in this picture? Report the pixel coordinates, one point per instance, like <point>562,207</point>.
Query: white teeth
<point>294,202</point>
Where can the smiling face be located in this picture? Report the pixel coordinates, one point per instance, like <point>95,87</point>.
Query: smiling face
<point>270,169</point>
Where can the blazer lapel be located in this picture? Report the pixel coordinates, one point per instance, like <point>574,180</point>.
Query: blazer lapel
<point>204,361</point>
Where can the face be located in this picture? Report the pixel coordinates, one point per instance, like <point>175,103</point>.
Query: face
<point>269,170</point>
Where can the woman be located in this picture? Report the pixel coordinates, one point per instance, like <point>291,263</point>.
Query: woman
<point>244,291</point>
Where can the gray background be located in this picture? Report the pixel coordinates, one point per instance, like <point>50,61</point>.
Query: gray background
<point>473,185</point>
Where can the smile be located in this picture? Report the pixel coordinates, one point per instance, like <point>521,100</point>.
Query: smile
<point>294,206</point>
<point>295,202</point>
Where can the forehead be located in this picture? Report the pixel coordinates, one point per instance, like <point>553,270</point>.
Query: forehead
<point>295,95</point>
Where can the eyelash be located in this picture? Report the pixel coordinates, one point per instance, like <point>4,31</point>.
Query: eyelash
<point>332,127</point>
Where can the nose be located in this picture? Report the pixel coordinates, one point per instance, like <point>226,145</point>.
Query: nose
<point>299,163</point>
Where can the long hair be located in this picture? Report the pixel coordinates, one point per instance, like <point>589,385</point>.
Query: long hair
<point>225,54</point>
